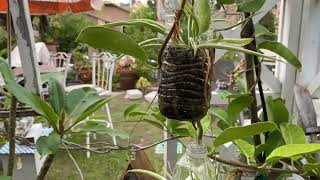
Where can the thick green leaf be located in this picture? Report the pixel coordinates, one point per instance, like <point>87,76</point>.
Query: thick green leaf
<point>101,128</point>
<point>149,173</point>
<point>91,109</point>
<point>5,178</point>
<point>311,167</point>
<point>129,110</point>
<point>234,48</point>
<point>292,150</point>
<point>234,133</point>
<point>154,123</point>
<point>111,40</point>
<point>54,75</point>
<point>249,5</point>
<point>241,42</point>
<point>203,13</point>
<point>274,140</point>
<point>226,1</point>
<point>245,147</point>
<point>236,106</point>
<point>37,104</point>
<point>153,25</point>
<point>282,51</point>
<point>48,144</point>
<point>6,71</point>
<point>78,100</point>
<point>292,134</point>
<point>221,114</point>
<point>277,111</point>
<point>260,30</point>
<point>56,96</point>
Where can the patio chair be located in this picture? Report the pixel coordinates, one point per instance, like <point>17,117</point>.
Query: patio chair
<point>61,60</point>
<point>102,73</point>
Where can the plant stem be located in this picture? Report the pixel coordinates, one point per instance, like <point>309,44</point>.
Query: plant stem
<point>248,32</point>
<point>173,28</point>
<point>45,167</point>
<point>12,134</point>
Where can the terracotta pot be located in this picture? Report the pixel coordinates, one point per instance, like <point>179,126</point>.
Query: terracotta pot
<point>127,79</point>
<point>85,75</point>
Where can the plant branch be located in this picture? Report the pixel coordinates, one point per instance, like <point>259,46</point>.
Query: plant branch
<point>248,32</point>
<point>74,161</point>
<point>173,28</point>
<point>12,138</point>
<point>45,167</point>
<point>252,167</point>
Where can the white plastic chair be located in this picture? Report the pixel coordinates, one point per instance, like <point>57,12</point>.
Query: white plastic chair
<point>102,73</point>
<point>61,60</point>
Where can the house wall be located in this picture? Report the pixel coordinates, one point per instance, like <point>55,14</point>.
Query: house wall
<point>110,13</point>
<point>28,170</point>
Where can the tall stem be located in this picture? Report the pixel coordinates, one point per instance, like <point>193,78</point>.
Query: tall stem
<point>12,135</point>
<point>248,32</point>
<point>45,167</point>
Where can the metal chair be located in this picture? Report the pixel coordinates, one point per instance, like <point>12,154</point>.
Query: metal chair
<point>102,73</point>
<point>61,60</point>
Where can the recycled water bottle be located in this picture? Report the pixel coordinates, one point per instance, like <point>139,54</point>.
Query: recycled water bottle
<point>170,7</point>
<point>195,165</point>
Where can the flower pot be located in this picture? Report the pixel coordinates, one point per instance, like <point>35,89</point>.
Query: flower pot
<point>182,94</point>
<point>85,75</point>
<point>127,79</point>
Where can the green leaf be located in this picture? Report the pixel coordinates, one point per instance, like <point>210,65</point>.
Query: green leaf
<point>129,109</point>
<point>91,109</point>
<point>111,40</point>
<point>154,123</point>
<point>234,133</point>
<point>56,96</point>
<point>282,51</point>
<point>245,147</point>
<point>311,167</point>
<point>277,111</point>
<point>221,114</point>
<point>234,48</point>
<point>146,172</point>
<point>292,134</point>
<point>241,42</point>
<point>226,1</point>
<point>101,128</point>
<point>203,13</point>
<point>54,75</point>
<point>37,104</point>
<point>6,71</point>
<point>137,113</point>
<point>5,178</point>
<point>274,140</point>
<point>260,30</point>
<point>292,150</point>
<point>236,106</point>
<point>153,25</point>
<point>48,144</point>
<point>78,100</point>
<point>249,5</point>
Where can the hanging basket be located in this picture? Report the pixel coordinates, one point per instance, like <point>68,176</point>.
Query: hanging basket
<point>182,94</point>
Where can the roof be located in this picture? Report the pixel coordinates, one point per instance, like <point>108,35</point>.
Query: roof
<point>23,149</point>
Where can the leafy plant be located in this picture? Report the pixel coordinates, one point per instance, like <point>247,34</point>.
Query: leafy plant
<point>63,112</point>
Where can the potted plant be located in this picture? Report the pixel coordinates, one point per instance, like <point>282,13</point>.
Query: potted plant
<point>127,72</point>
<point>82,63</point>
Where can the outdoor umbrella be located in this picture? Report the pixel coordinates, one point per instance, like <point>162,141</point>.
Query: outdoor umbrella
<point>57,6</point>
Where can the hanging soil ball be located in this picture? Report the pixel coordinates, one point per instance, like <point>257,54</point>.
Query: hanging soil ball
<point>182,93</point>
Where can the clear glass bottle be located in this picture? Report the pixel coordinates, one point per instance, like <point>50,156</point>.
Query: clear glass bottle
<point>170,7</point>
<point>195,165</point>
